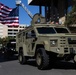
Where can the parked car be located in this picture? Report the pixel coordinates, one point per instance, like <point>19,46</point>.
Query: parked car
<point>9,49</point>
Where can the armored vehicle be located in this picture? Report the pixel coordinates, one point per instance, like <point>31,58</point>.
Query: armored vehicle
<point>45,43</point>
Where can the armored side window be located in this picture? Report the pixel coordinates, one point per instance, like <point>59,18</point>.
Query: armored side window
<point>33,33</point>
<point>30,34</point>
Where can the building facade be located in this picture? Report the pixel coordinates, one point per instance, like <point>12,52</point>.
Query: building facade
<point>3,31</point>
<point>10,31</point>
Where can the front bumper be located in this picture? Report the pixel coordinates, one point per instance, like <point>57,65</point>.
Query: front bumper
<point>63,50</point>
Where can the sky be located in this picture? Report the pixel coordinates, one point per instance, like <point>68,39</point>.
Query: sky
<point>23,16</point>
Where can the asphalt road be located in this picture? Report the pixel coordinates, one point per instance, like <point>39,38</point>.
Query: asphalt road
<point>12,67</point>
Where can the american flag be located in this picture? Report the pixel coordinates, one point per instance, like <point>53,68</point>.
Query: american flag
<point>9,16</point>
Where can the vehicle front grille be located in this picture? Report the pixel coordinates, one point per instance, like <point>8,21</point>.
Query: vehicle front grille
<point>65,49</point>
<point>62,41</point>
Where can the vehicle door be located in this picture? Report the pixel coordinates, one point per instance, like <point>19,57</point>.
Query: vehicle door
<point>30,36</point>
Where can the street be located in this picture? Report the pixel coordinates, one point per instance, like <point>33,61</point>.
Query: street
<point>12,67</point>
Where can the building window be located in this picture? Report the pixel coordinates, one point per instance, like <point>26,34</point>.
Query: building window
<point>15,30</point>
<point>10,33</point>
<point>9,29</point>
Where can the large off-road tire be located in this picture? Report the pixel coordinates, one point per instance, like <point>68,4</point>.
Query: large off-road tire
<point>22,59</point>
<point>42,59</point>
<point>75,59</point>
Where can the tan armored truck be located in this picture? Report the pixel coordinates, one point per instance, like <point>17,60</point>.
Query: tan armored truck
<point>45,43</point>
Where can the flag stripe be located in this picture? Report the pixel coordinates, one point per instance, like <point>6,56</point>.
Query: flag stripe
<point>5,7</point>
<point>4,13</point>
<point>9,16</point>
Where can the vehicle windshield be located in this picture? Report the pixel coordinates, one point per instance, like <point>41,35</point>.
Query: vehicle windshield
<point>51,30</point>
<point>61,30</point>
<point>46,30</point>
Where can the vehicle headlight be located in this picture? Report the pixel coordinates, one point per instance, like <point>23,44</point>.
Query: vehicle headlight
<point>53,42</point>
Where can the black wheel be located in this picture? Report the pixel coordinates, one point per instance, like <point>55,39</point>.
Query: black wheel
<point>42,59</point>
<point>22,59</point>
<point>74,59</point>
